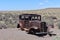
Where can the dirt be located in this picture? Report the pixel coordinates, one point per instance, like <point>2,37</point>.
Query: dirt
<point>15,34</point>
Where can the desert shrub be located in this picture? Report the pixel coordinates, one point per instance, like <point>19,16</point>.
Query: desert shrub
<point>58,24</point>
<point>12,26</point>
<point>9,19</point>
<point>3,25</point>
<point>48,20</point>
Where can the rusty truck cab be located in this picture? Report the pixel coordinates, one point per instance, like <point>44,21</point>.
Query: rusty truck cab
<point>29,20</point>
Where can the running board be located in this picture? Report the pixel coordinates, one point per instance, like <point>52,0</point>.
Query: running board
<point>43,32</point>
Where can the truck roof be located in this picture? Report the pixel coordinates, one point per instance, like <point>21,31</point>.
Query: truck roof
<point>30,15</point>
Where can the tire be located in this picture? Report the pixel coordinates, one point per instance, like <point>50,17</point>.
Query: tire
<point>32,31</point>
<point>50,35</point>
<point>18,26</point>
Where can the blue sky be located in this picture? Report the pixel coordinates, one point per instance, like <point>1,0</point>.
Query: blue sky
<point>28,4</point>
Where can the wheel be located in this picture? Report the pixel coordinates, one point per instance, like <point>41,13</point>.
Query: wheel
<point>32,31</point>
<point>50,35</point>
<point>18,26</point>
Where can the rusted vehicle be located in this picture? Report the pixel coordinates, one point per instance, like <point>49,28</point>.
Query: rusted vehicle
<point>32,23</point>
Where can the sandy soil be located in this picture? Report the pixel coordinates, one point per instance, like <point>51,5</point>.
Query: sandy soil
<point>15,34</point>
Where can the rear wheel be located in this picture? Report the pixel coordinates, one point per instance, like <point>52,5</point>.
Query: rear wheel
<point>18,26</point>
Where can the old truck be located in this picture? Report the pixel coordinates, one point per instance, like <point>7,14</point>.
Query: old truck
<point>32,24</point>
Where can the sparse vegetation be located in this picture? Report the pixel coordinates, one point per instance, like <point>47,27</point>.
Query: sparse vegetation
<point>58,24</point>
<point>11,17</point>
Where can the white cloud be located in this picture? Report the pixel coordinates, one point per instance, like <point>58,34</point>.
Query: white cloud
<point>41,3</point>
<point>44,2</point>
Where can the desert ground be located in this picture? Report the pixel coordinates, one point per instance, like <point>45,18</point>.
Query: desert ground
<point>17,34</point>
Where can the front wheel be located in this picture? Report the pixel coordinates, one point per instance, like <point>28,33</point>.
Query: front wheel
<point>32,31</point>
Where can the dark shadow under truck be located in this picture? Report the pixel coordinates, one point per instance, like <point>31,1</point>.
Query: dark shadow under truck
<point>32,24</point>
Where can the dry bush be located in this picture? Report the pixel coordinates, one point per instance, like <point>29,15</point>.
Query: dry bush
<point>48,20</point>
<point>58,24</point>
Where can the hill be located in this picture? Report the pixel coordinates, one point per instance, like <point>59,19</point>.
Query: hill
<point>10,18</point>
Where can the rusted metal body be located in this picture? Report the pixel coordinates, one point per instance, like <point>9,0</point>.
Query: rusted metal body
<point>32,23</point>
